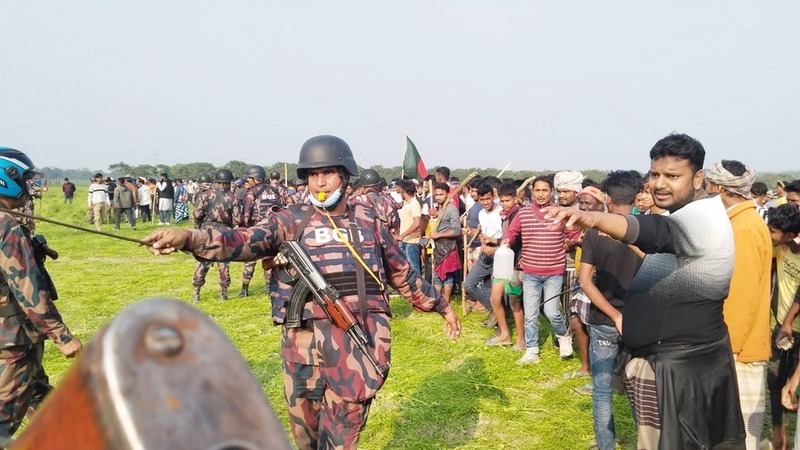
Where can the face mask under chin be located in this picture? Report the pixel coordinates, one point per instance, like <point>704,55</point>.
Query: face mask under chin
<point>330,201</point>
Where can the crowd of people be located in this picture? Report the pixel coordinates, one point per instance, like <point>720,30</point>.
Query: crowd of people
<point>692,258</point>
<point>696,260</point>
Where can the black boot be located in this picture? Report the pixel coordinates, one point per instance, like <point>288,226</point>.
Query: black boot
<point>196,294</point>
<point>245,291</point>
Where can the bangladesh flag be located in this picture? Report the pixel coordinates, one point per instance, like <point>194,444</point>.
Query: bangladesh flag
<point>413,167</point>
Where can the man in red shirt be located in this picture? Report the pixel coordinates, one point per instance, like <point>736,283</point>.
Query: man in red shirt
<point>543,265</point>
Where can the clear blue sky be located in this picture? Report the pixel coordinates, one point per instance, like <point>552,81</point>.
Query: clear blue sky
<point>547,85</point>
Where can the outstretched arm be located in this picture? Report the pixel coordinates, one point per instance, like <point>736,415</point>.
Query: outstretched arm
<point>413,288</point>
<point>613,225</point>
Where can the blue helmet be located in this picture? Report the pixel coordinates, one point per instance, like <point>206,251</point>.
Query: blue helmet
<point>15,169</point>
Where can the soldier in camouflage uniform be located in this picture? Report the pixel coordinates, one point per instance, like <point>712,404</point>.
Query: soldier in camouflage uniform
<point>28,315</point>
<point>28,207</point>
<point>372,184</point>
<point>275,183</point>
<point>204,182</point>
<point>301,194</point>
<point>259,201</point>
<point>218,209</point>
<point>328,383</point>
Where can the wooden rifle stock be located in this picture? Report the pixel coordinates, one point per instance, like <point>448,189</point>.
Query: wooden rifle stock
<point>339,313</point>
<point>160,376</point>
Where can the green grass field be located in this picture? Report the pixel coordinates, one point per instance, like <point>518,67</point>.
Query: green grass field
<point>440,394</point>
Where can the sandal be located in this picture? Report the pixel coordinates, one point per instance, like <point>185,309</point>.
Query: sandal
<point>576,374</point>
<point>495,341</point>
<point>586,389</point>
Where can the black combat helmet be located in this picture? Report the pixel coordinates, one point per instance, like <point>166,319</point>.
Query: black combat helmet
<point>223,176</point>
<point>369,177</point>
<point>204,178</point>
<point>256,172</point>
<point>326,151</point>
<point>274,175</point>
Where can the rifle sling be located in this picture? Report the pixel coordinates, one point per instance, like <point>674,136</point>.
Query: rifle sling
<point>300,226</point>
<point>300,291</point>
<point>360,278</point>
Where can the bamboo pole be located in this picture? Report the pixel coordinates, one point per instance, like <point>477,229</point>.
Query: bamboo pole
<point>75,227</point>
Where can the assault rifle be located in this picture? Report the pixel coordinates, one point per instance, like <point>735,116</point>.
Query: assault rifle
<point>40,253</point>
<point>310,280</point>
<point>161,375</point>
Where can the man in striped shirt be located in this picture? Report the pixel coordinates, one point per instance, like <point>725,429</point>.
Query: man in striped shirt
<point>759,194</point>
<point>543,265</point>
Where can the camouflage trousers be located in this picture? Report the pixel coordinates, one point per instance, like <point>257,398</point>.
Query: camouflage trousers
<point>328,387</point>
<point>250,270</point>
<point>201,271</point>
<point>23,384</point>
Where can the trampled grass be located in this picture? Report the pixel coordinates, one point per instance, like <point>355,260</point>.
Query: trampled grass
<point>440,393</point>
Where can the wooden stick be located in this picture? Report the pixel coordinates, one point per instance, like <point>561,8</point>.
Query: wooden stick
<point>525,184</point>
<point>75,227</point>
<point>457,191</point>
<point>464,272</point>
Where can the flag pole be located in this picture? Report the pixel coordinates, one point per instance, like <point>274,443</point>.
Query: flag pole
<point>403,166</point>
<point>504,169</point>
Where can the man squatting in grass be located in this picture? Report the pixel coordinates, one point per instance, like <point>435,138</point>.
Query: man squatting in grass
<point>328,383</point>
<point>673,326</point>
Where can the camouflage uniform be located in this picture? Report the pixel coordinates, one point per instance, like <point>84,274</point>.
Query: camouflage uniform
<point>258,203</point>
<point>283,193</point>
<point>328,384</point>
<point>33,194</point>
<point>385,207</point>
<point>28,317</point>
<point>297,198</point>
<point>218,209</point>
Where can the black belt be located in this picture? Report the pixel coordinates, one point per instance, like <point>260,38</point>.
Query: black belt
<point>647,350</point>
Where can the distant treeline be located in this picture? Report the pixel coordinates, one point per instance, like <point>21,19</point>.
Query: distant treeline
<point>194,170</point>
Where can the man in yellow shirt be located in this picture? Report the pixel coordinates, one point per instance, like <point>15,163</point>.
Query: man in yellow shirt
<point>780,192</point>
<point>792,192</point>
<point>784,226</point>
<point>746,309</point>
